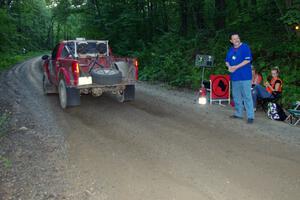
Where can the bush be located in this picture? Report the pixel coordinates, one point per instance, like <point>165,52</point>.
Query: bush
<point>7,60</point>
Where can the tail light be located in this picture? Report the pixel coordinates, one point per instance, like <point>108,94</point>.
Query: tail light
<point>136,65</point>
<point>75,70</point>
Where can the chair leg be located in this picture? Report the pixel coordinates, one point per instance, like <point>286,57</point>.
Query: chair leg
<point>295,124</point>
<point>287,119</point>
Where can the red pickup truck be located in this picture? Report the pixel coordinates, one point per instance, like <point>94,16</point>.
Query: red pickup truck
<point>82,66</point>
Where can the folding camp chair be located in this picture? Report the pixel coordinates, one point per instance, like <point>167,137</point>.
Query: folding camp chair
<point>294,114</point>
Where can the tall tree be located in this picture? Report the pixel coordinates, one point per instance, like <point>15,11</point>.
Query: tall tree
<point>198,13</point>
<point>220,16</point>
<point>183,9</point>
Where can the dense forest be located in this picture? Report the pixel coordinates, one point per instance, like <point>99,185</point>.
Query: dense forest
<point>164,34</point>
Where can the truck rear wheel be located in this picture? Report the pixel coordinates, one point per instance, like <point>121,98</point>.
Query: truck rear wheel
<point>68,96</point>
<point>62,91</point>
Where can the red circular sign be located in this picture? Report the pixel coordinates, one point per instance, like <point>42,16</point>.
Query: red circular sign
<point>220,86</point>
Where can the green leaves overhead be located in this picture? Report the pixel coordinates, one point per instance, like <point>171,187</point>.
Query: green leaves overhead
<point>7,30</point>
<point>24,24</point>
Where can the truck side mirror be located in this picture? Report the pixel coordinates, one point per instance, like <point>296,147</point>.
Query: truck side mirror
<point>45,57</point>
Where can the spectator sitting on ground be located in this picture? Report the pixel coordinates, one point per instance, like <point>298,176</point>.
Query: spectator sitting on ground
<point>272,89</point>
<point>256,77</point>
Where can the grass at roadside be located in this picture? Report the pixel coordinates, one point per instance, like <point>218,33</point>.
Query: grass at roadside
<point>8,60</point>
<point>5,162</point>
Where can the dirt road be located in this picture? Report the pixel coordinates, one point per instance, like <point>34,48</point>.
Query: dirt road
<point>160,147</point>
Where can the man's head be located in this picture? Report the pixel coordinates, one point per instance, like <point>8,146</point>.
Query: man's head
<point>235,39</point>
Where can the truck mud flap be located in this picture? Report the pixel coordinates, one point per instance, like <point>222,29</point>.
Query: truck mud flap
<point>129,93</point>
<point>73,96</point>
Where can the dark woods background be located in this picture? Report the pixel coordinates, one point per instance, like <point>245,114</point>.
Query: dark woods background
<point>165,35</point>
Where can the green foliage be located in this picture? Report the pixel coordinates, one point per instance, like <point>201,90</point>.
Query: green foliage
<point>7,60</point>
<point>24,24</point>
<point>7,28</point>
<point>170,60</point>
<point>165,35</point>
<point>5,162</point>
<point>291,17</point>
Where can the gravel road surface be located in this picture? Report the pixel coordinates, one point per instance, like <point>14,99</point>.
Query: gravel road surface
<point>162,146</point>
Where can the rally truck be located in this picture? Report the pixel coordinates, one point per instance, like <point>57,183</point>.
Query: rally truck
<point>78,67</point>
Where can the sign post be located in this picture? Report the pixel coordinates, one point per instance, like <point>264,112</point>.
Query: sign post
<point>203,61</point>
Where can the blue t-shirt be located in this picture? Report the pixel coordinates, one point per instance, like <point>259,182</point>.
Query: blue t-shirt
<point>237,55</point>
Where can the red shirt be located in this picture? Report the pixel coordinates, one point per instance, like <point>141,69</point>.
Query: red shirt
<point>256,79</point>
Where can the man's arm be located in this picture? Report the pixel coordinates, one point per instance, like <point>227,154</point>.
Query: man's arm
<point>227,60</point>
<point>277,85</point>
<point>242,64</point>
<point>227,64</point>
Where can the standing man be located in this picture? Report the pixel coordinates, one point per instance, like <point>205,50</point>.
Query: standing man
<point>238,61</point>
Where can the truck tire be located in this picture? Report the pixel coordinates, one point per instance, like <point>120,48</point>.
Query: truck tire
<point>123,68</point>
<point>128,72</point>
<point>68,96</point>
<point>106,76</point>
<point>48,88</point>
<point>127,95</point>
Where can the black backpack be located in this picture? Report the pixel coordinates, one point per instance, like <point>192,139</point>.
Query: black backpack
<point>275,112</point>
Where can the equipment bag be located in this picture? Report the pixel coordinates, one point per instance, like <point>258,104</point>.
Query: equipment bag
<point>275,112</point>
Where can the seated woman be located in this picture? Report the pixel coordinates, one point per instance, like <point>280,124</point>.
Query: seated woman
<point>256,77</point>
<point>271,90</point>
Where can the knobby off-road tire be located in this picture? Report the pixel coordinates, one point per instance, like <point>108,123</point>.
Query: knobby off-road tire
<point>128,72</point>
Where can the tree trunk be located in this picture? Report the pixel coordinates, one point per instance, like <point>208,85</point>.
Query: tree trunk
<point>288,3</point>
<point>253,2</point>
<point>282,14</point>
<point>183,8</point>
<point>95,2</point>
<point>238,4</point>
<point>2,3</point>
<point>50,34</point>
<point>198,14</point>
<point>57,33</point>
<point>165,18</point>
<point>220,14</point>
<point>150,20</point>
